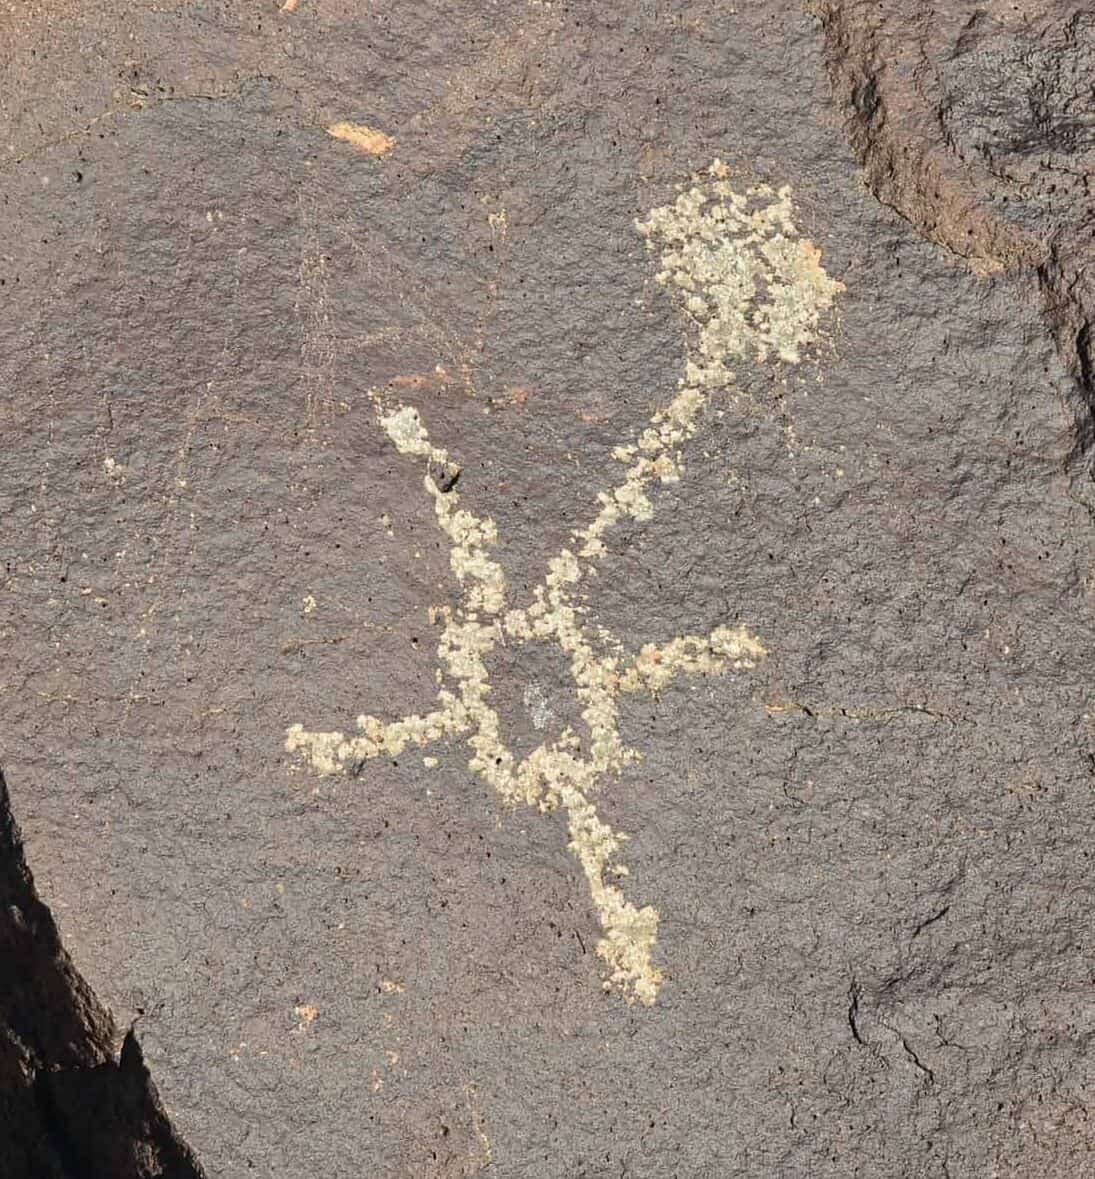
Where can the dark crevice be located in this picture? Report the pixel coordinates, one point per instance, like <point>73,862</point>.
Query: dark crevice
<point>69,1107</point>
<point>853,1013</point>
<point>931,920</point>
<point>917,1063</point>
<point>1083,352</point>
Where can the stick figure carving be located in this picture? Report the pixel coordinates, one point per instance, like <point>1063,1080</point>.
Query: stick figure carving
<point>751,288</point>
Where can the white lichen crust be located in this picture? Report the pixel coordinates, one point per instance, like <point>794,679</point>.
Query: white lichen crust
<point>741,272</point>
<point>755,289</point>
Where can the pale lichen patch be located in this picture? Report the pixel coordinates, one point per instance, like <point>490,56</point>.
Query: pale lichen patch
<point>655,667</point>
<point>322,750</point>
<point>751,285</point>
<point>114,471</point>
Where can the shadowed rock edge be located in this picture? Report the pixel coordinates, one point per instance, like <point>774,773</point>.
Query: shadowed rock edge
<point>69,1107</point>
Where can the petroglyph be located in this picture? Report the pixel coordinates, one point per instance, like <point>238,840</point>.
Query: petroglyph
<point>751,288</point>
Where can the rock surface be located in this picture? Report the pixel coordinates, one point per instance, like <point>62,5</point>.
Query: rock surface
<point>260,268</point>
<point>975,123</point>
<point>73,1104</point>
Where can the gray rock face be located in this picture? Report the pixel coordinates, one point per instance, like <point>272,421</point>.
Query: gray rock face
<point>667,428</point>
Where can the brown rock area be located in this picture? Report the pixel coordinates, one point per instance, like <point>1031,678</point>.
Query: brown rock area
<point>547,589</point>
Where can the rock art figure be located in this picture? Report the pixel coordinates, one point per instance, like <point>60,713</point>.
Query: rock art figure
<point>752,289</point>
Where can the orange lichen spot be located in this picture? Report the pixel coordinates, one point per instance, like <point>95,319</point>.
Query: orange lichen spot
<point>430,381</point>
<point>366,139</point>
<point>306,1015</point>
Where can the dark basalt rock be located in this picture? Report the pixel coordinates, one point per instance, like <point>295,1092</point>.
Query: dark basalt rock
<point>71,1107</point>
<point>870,851</point>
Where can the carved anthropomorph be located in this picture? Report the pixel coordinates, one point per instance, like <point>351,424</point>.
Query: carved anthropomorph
<point>752,289</point>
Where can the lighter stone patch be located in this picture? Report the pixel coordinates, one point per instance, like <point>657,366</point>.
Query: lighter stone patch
<point>753,289</point>
<point>114,471</point>
<point>539,709</point>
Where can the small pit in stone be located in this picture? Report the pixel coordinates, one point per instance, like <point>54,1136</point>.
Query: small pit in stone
<point>534,695</point>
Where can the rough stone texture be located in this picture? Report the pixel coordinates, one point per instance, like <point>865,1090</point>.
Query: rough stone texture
<point>71,1106</point>
<point>975,123</point>
<point>870,854</point>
